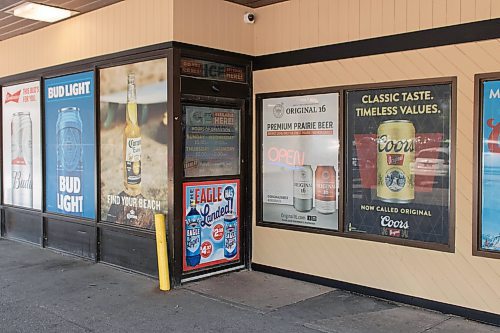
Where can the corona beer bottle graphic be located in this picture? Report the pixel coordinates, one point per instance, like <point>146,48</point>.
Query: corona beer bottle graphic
<point>132,142</point>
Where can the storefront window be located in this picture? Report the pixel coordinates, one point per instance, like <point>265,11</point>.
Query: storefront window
<point>212,141</point>
<point>300,161</point>
<point>133,143</point>
<point>69,145</point>
<point>490,171</point>
<point>21,145</point>
<point>398,183</point>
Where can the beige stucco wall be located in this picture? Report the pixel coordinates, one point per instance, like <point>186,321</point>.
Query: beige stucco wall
<point>457,278</point>
<point>298,24</point>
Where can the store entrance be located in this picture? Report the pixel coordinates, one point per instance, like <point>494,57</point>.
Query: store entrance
<point>213,187</point>
<point>214,168</point>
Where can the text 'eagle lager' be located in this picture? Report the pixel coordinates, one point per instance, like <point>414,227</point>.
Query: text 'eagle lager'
<point>395,156</point>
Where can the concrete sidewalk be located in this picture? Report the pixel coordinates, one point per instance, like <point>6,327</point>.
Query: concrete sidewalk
<point>43,291</point>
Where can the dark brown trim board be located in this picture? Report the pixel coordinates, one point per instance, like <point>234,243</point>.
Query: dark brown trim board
<point>455,34</point>
<point>479,79</point>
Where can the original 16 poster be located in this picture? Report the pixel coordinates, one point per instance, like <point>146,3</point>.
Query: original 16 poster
<point>490,222</point>
<point>399,156</point>
<point>69,140</point>
<point>211,223</point>
<point>300,154</point>
<point>21,145</point>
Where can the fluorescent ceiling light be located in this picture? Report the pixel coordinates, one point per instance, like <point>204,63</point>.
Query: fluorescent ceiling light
<point>38,12</point>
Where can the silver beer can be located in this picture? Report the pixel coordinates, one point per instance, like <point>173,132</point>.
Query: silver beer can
<point>303,188</point>
<point>22,160</point>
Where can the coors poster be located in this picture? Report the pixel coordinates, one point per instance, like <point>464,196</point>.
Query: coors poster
<point>300,154</point>
<point>21,145</point>
<point>399,162</point>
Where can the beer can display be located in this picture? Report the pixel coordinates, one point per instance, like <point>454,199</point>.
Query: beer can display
<point>395,156</point>
<point>230,235</point>
<point>22,159</point>
<point>303,188</point>
<point>326,189</point>
<point>69,160</point>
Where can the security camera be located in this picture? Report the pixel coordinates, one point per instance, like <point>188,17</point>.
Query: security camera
<point>249,18</point>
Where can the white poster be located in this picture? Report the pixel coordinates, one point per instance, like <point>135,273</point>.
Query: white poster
<point>300,155</point>
<point>21,145</point>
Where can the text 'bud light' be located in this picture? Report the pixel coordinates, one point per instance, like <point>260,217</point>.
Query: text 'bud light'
<point>69,161</point>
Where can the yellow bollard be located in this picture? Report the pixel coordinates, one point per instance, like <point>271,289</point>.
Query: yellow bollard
<point>161,251</point>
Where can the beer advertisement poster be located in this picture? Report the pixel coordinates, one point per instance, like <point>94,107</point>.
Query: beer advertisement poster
<point>212,141</point>
<point>69,143</point>
<point>22,179</point>
<point>300,160</point>
<point>211,223</point>
<point>490,173</point>
<point>398,172</point>
<point>133,143</point>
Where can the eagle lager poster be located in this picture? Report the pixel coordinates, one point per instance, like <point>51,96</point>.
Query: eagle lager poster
<point>300,160</point>
<point>133,143</point>
<point>490,173</point>
<point>399,162</point>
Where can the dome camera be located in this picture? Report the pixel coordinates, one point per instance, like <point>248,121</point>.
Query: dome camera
<point>249,18</point>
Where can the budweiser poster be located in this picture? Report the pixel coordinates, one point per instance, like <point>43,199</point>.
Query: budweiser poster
<point>21,145</point>
<point>490,222</point>
<point>300,154</point>
<point>211,223</point>
<point>399,162</point>
<point>133,143</point>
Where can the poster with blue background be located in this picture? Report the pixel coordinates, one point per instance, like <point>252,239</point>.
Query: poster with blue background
<point>490,222</point>
<point>70,144</point>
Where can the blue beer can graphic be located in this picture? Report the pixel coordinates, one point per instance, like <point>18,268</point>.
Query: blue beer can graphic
<point>69,161</point>
<point>230,235</point>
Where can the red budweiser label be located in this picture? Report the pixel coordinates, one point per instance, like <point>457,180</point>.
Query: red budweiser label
<point>13,97</point>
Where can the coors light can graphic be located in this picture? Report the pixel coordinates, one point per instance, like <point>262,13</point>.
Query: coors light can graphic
<point>395,156</point>
<point>326,189</point>
<point>22,160</point>
<point>69,161</point>
<point>303,188</point>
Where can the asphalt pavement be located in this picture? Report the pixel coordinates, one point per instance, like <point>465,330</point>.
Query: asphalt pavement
<point>44,291</point>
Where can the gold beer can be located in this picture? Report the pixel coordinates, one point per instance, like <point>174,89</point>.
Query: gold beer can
<point>395,157</point>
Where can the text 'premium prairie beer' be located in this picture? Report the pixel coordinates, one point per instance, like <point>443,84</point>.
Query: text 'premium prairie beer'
<point>325,194</point>
<point>303,188</point>
<point>395,156</point>
<point>132,142</point>
<point>69,161</point>
<point>22,159</point>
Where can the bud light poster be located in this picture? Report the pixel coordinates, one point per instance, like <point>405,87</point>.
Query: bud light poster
<point>69,142</point>
<point>490,222</point>
<point>21,145</point>
<point>300,160</point>
<point>133,143</point>
<point>211,223</point>
<point>398,170</point>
